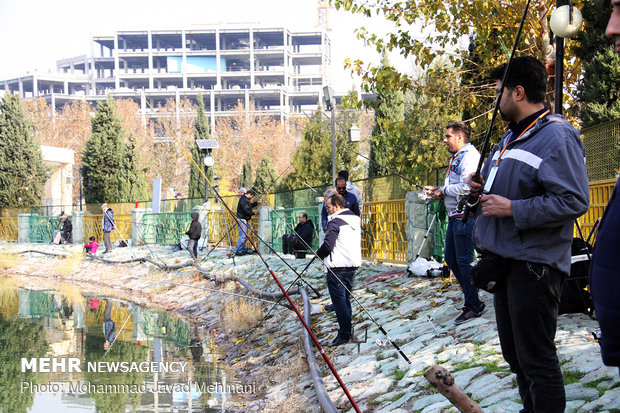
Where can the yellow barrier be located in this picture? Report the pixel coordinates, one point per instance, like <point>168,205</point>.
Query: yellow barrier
<point>384,238</point>
<point>600,191</point>
<point>8,229</point>
<point>92,226</point>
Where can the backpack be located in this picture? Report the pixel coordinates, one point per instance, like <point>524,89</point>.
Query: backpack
<point>575,295</point>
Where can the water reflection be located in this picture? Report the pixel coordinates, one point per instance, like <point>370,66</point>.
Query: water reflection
<point>159,362</point>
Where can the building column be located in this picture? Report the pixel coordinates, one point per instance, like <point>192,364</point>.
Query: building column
<point>177,102</point>
<point>137,225</point>
<point>218,66</point>
<point>117,82</point>
<point>78,227</point>
<point>184,59</point>
<point>20,83</point>
<point>23,228</point>
<point>416,228</point>
<point>150,57</point>
<point>265,229</point>
<point>252,65</point>
<point>143,107</point>
<point>212,110</point>
<point>35,86</point>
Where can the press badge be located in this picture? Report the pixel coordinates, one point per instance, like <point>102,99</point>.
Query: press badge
<point>490,179</point>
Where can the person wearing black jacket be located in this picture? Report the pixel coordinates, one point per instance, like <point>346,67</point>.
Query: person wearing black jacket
<point>301,239</point>
<point>194,233</point>
<point>66,229</point>
<point>244,214</point>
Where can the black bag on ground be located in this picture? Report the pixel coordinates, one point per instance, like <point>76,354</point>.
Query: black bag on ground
<point>489,273</point>
<point>575,297</point>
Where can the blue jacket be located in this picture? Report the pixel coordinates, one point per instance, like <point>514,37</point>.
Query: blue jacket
<point>544,175</point>
<point>352,205</point>
<point>108,220</point>
<point>605,280</point>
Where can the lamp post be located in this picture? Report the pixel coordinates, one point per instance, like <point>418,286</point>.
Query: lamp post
<point>330,105</point>
<point>565,22</point>
<point>206,146</point>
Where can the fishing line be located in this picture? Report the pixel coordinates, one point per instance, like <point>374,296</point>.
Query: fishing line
<point>306,326</point>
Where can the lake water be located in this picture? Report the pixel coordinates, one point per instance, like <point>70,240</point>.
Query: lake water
<point>53,357</point>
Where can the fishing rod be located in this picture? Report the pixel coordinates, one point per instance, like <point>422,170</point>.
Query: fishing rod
<point>309,247</point>
<point>471,201</point>
<point>280,299</point>
<point>276,279</point>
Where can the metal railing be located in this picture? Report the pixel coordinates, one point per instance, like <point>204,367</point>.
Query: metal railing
<point>284,220</point>
<point>600,191</point>
<point>384,238</point>
<point>92,227</point>
<point>8,229</point>
<point>165,228</point>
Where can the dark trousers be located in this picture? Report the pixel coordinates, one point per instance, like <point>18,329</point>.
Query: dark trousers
<point>107,242</point>
<point>459,254</point>
<point>290,243</point>
<point>341,298</point>
<point>527,313</point>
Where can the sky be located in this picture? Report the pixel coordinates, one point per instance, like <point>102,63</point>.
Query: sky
<point>36,33</point>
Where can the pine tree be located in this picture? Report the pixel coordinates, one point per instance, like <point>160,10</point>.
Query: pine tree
<point>22,172</point>
<point>247,172</point>
<point>201,131</point>
<point>599,89</point>
<point>131,178</point>
<point>265,176</point>
<point>103,157</point>
<point>389,115</point>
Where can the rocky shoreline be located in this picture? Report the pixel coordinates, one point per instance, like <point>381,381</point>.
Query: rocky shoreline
<point>417,313</point>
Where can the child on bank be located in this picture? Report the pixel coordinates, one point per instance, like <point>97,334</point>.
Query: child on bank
<point>91,247</point>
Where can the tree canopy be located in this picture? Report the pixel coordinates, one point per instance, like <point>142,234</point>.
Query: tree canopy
<point>22,172</point>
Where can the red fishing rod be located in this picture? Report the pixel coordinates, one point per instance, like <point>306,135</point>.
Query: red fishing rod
<point>273,275</point>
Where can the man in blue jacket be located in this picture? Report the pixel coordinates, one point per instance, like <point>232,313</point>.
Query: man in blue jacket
<point>350,199</point>
<point>534,186</point>
<point>604,271</point>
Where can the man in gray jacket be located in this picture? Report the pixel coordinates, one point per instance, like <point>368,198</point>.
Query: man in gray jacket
<point>459,252</point>
<point>534,186</point>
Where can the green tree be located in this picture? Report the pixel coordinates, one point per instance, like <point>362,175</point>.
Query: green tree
<point>313,159</point>
<point>389,109</point>
<point>22,172</point>
<point>425,30</point>
<point>201,131</point>
<point>19,338</point>
<point>247,180</point>
<point>131,177</point>
<point>599,89</point>
<point>103,157</point>
<point>265,176</point>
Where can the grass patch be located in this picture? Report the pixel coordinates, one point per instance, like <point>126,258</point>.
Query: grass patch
<point>396,397</point>
<point>594,384</point>
<point>399,374</point>
<point>571,377</point>
<point>7,261</point>
<point>240,314</point>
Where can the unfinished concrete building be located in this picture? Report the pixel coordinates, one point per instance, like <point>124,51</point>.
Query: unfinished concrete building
<point>279,71</point>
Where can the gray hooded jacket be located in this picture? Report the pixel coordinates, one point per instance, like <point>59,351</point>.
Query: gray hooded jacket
<point>544,175</point>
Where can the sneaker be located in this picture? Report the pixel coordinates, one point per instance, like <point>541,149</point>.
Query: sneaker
<point>482,308</point>
<point>467,315</point>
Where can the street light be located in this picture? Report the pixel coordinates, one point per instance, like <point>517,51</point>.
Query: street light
<point>330,105</point>
<point>565,22</point>
<point>206,146</point>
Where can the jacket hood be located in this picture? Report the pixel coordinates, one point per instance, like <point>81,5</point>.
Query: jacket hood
<point>195,216</point>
